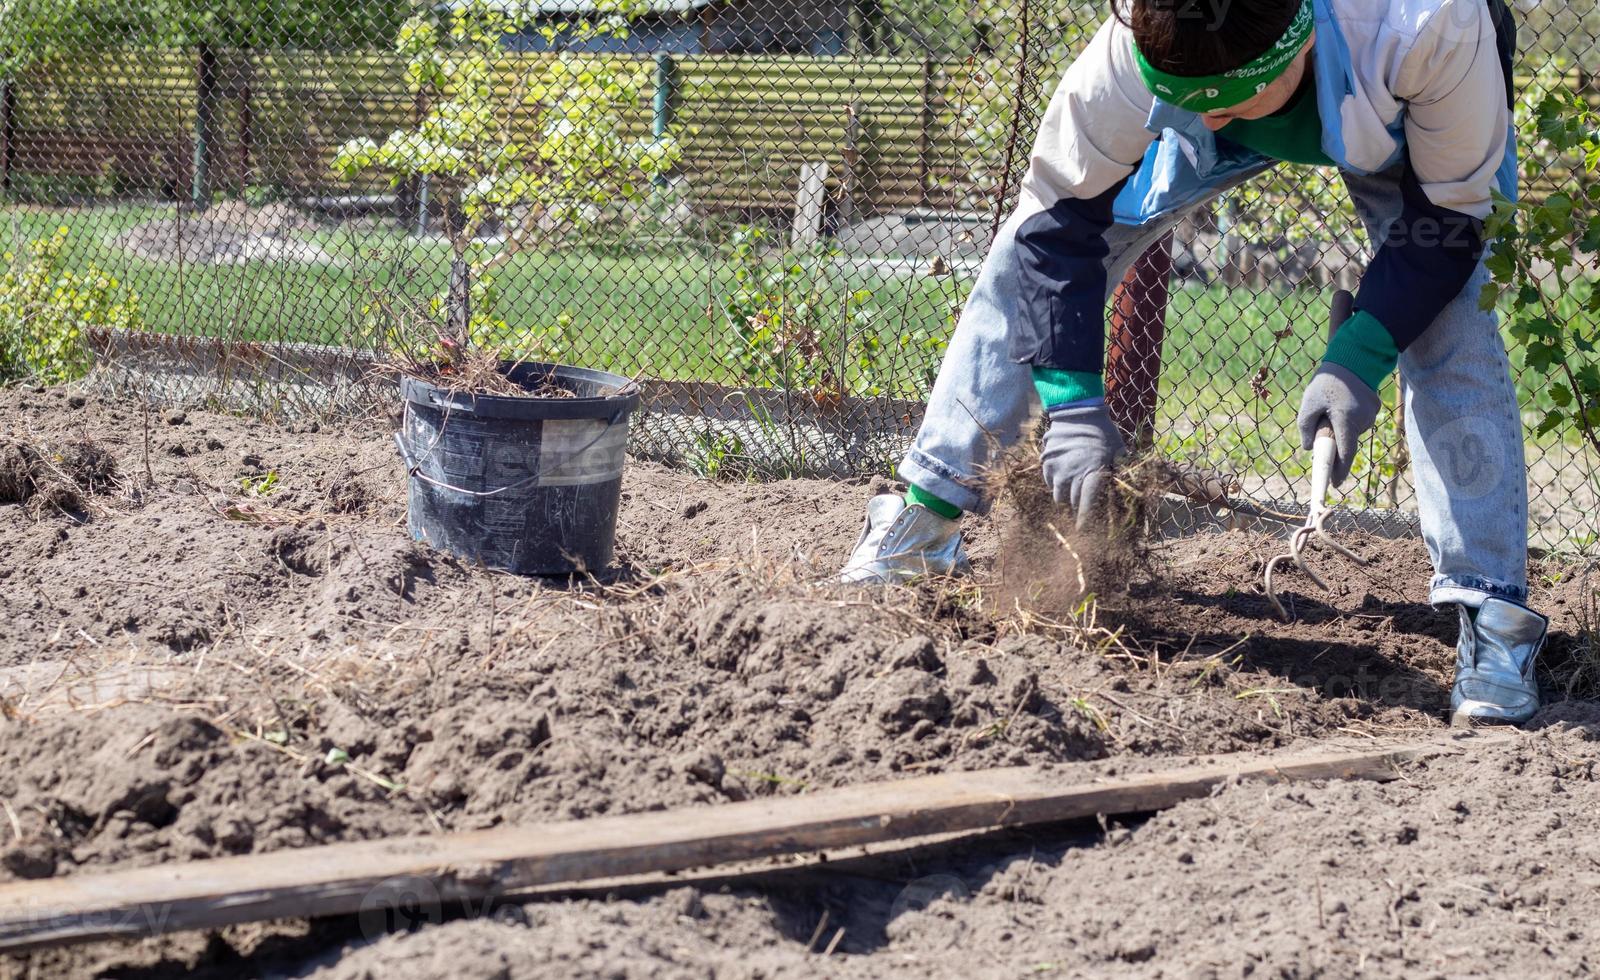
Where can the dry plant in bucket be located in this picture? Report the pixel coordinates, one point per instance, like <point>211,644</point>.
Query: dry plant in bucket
<point>414,344</point>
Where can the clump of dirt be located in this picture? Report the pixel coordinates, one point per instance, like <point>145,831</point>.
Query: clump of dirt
<point>477,755</point>
<point>149,784</point>
<point>88,466</point>
<point>17,463</point>
<point>346,494</point>
<point>1047,565</point>
<point>56,481</point>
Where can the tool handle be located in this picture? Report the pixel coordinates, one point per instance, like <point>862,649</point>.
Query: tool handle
<point>1323,452</point>
<point>1324,449</point>
<point>1342,308</point>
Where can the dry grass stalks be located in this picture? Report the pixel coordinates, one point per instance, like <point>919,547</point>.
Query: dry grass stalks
<point>416,347</point>
<point>1583,671</point>
<point>473,373</point>
<point>17,462</point>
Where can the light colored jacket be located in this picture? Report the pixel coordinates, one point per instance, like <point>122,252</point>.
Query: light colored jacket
<point>1422,77</point>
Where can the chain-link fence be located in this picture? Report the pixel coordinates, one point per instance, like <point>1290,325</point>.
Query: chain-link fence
<point>768,213</point>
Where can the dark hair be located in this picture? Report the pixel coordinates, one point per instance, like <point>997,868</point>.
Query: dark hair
<point>1204,37</point>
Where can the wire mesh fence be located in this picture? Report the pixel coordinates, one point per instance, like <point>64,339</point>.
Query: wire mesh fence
<point>768,213</point>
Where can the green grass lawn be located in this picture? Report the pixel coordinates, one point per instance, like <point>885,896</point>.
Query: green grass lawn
<point>659,313</point>
<point>662,315</point>
<point>656,314</point>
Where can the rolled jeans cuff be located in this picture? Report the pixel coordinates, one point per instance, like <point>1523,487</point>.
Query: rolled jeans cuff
<point>1471,590</point>
<point>940,480</point>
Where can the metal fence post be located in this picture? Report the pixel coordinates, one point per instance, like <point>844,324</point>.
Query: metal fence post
<point>247,121</point>
<point>924,136</point>
<point>665,103</point>
<point>1133,352</point>
<point>8,130</point>
<point>205,121</point>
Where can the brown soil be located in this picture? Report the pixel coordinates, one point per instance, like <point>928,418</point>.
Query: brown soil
<point>181,658</point>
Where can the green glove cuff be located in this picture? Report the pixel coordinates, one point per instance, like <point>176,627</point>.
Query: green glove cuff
<point>1365,348</point>
<point>1058,387</point>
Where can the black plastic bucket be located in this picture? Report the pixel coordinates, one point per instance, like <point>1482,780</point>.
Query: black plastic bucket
<point>529,485</point>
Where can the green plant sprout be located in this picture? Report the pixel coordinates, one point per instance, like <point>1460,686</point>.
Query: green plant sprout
<point>260,486</point>
<point>787,329</point>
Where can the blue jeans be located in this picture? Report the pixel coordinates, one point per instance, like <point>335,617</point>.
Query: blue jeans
<point>1463,426</point>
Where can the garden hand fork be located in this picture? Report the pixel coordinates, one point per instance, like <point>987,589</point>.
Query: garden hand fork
<point>1322,454</point>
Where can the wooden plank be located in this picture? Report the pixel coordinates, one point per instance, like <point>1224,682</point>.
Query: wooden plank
<point>345,878</point>
<point>796,109</point>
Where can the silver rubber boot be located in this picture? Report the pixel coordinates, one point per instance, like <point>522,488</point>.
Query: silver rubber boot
<point>901,542</point>
<point>1494,665</point>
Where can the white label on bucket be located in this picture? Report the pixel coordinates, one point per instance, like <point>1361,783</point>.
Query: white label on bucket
<point>573,452</point>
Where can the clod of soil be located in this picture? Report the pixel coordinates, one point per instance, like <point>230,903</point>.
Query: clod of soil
<point>1046,566</point>
<point>54,481</point>
<point>17,462</point>
<point>88,466</point>
<point>346,494</point>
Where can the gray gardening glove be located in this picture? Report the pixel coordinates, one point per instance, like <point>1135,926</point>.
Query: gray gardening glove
<point>1079,450</point>
<point>1350,407</point>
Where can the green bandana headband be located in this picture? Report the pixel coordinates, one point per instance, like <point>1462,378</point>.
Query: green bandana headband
<point>1208,93</point>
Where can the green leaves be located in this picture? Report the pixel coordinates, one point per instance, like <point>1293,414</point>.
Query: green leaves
<point>1548,294</point>
<point>788,328</point>
<point>46,311</point>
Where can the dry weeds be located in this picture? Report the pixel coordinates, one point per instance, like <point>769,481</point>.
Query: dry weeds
<point>416,347</point>
<point>1050,571</point>
<point>61,480</point>
<point>1583,670</point>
